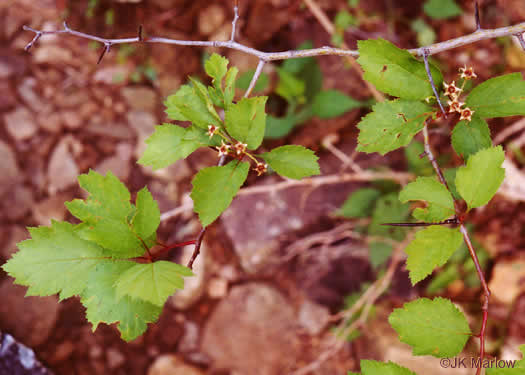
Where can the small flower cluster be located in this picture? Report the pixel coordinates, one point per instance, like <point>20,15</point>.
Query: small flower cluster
<point>239,149</point>
<point>453,92</point>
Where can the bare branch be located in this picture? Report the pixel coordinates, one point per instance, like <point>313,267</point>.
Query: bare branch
<point>255,77</point>
<point>432,49</point>
<point>429,74</point>
<point>235,18</point>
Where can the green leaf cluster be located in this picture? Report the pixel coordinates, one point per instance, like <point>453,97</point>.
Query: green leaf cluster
<point>300,85</point>
<point>245,122</point>
<point>95,259</point>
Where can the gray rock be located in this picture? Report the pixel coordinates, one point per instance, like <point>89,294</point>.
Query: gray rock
<point>211,18</point>
<point>26,90</point>
<point>169,364</point>
<point>15,235</point>
<point>119,163</point>
<point>9,172</point>
<point>189,342</point>
<point>193,286</point>
<point>260,339</point>
<point>20,124</point>
<point>144,124</point>
<point>62,170</point>
<point>115,358</point>
<point>18,202</point>
<point>30,319</point>
<point>140,98</point>
<point>114,130</point>
<point>256,222</point>
<point>52,54</point>
<point>313,317</point>
<point>51,208</point>
<point>18,359</point>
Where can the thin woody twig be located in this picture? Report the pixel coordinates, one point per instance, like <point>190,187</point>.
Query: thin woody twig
<point>521,40</point>
<point>255,77</point>
<point>429,74</point>
<point>468,242</point>
<point>476,15</point>
<point>235,19</point>
<point>432,49</point>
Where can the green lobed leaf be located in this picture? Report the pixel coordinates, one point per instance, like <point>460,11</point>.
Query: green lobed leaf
<point>278,127</point>
<point>289,87</point>
<point>216,67</point>
<point>431,327</point>
<point>151,282</point>
<point>470,137</point>
<point>215,187</point>
<point>441,9</point>
<point>450,177</point>
<point>479,180</point>
<point>54,260</point>
<point>107,210</point>
<point>189,104</point>
<point>229,86</point>
<point>202,93</point>
<point>369,367</point>
<point>103,305</point>
<point>391,125</point>
<point>431,248</point>
<point>170,143</point>
<point>359,203</point>
<point>498,97</point>
<point>389,209</point>
<point>395,71</point>
<point>417,164</point>
<point>429,189</point>
<point>333,103</point>
<point>292,161</point>
<point>246,121</point>
<point>379,253</point>
<point>147,217</point>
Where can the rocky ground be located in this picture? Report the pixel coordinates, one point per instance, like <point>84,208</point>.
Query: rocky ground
<point>250,309</point>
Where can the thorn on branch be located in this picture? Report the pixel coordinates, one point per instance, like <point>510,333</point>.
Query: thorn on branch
<point>521,40</point>
<point>478,23</point>
<point>235,18</point>
<point>107,46</point>
<point>429,74</point>
<point>140,34</point>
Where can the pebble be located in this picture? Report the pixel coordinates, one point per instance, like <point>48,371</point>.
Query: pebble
<point>51,208</point>
<point>211,18</point>
<point>62,170</point>
<point>20,124</point>
<point>18,202</point>
<point>9,171</point>
<point>169,364</point>
<point>115,358</point>
<point>141,98</point>
<point>26,90</point>
<point>119,163</point>
<point>193,286</point>
<point>144,125</point>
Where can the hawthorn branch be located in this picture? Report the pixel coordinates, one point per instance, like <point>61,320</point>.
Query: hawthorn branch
<point>468,242</point>
<point>429,74</point>
<point>432,49</point>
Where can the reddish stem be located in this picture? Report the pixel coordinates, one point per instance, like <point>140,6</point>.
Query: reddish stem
<point>172,246</point>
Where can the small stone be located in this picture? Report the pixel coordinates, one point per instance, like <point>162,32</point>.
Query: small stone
<point>211,18</point>
<point>50,121</point>
<point>71,119</point>
<point>9,172</point>
<point>169,364</point>
<point>189,341</point>
<point>193,286</point>
<point>507,280</point>
<point>20,124</point>
<point>18,359</point>
<point>16,234</point>
<point>111,74</point>
<point>217,287</point>
<point>52,208</point>
<point>115,358</point>
<point>114,130</point>
<point>30,319</point>
<point>26,90</point>
<point>17,203</point>
<point>52,54</point>
<point>62,352</point>
<point>313,317</point>
<point>62,170</point>
<point>144,125</point>
<point>140,97</point>
<point>254,338</point>
<point>119,163</point>
<point>7,98</point>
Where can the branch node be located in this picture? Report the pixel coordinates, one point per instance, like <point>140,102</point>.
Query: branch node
<point>521,40</point>
<point>425,53</point>
<point>66,27</point>
<point>107,46</point>
<point>140,34</point>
